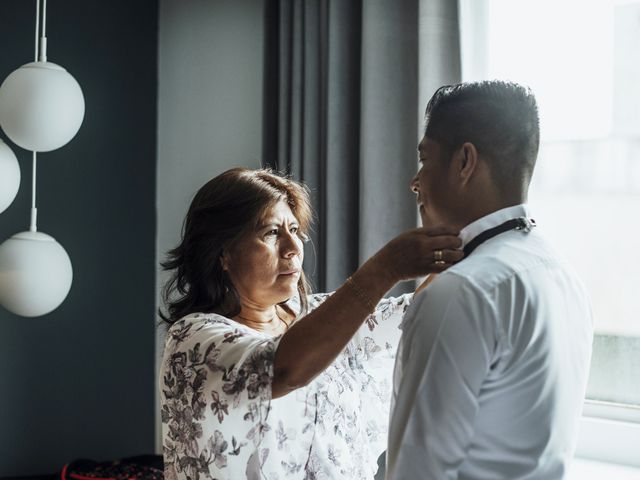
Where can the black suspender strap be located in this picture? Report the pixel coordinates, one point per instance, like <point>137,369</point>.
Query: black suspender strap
<point>521,223</point>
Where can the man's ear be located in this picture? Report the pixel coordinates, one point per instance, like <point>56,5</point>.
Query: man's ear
<point>467,162</point>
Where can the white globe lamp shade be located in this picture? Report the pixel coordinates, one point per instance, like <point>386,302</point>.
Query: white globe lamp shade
<point>35,274</point>
<point>9,176</point>
<point>41,106</point>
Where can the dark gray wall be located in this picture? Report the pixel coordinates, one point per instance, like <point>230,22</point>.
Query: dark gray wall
<point>79,382</point>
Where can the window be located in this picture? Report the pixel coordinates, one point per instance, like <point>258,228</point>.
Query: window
<point>582,60</point>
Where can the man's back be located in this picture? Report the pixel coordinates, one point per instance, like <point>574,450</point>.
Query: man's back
<point>493,364</point>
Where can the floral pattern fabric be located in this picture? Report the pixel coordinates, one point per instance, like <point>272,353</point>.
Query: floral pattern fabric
<point>220,422</point>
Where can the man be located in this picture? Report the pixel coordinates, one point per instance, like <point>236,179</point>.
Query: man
<point>492,366</point>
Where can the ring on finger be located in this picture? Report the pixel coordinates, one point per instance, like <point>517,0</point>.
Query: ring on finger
<point>439,262</point>
<point>438,255</point>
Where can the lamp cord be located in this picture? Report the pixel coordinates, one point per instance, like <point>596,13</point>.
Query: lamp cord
<point>37,28</point>
<point>34,211</point>
<point>40,55</point>
<point>44,18</point>
<point>41,40</point>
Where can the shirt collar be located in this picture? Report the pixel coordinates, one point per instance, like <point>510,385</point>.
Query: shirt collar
<point>494,219</point>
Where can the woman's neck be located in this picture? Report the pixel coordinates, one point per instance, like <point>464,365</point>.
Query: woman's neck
<point>268,320</point>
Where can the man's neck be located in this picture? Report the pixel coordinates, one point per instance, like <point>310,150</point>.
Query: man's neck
<point>486,207</point>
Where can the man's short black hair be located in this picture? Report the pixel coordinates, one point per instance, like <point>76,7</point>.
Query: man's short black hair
<point>499,118</point>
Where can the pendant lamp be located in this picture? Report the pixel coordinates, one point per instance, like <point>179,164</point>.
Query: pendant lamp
<point>41,104</point>
<point>9,176</point>
<point>35,274</point>
<point>41,109</point>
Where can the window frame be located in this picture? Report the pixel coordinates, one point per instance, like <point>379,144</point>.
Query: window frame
<point>610,433</point>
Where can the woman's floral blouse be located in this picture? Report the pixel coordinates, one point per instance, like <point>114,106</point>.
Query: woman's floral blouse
<point>219,421</point>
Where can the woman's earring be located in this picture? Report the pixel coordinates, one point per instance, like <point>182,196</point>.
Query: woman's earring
<point>225,280</point>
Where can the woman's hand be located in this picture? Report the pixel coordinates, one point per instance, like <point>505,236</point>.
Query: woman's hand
<point>416,253</point>
<point>314,341</point>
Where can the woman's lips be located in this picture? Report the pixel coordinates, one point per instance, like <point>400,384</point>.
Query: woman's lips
<point>290,272</point>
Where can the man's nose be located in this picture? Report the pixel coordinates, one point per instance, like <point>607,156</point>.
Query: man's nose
<point>413,186</point>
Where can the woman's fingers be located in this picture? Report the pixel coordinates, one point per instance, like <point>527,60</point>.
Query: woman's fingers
<point>439,230</point>
<point>420,252</point>
<point>442,242</point>
<point>447,255</point>
<point>439,267</point>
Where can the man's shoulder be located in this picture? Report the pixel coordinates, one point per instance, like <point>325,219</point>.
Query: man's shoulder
<point>511,265</point>
<point>448,290</point>
<point>509,256</point>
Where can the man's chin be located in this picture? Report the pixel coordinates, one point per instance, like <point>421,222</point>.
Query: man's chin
<point>424,218</point>
<point>428,219</point>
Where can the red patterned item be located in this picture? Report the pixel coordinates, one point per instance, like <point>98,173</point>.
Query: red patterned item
<point>148,467</point>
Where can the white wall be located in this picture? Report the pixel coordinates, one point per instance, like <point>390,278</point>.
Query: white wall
<point>209,104</point>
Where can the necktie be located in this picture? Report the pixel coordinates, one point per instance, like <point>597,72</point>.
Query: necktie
<point>521,223</point>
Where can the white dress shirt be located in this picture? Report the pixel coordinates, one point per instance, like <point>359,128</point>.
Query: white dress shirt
<point>492,365</point>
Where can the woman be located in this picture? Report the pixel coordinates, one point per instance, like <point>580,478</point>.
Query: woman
<point>256,381</point>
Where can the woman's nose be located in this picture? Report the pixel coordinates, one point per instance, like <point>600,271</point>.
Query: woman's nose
<point>291,246</point>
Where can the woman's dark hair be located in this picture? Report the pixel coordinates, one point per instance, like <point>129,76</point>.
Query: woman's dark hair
<point>223,210</point>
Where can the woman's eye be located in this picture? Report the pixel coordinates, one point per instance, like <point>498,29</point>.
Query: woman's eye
<point>272,233</point>
<point>294,230</point>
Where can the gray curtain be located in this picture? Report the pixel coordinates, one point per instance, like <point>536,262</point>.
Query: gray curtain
<point>341,113</point>
<point>346,85</point>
